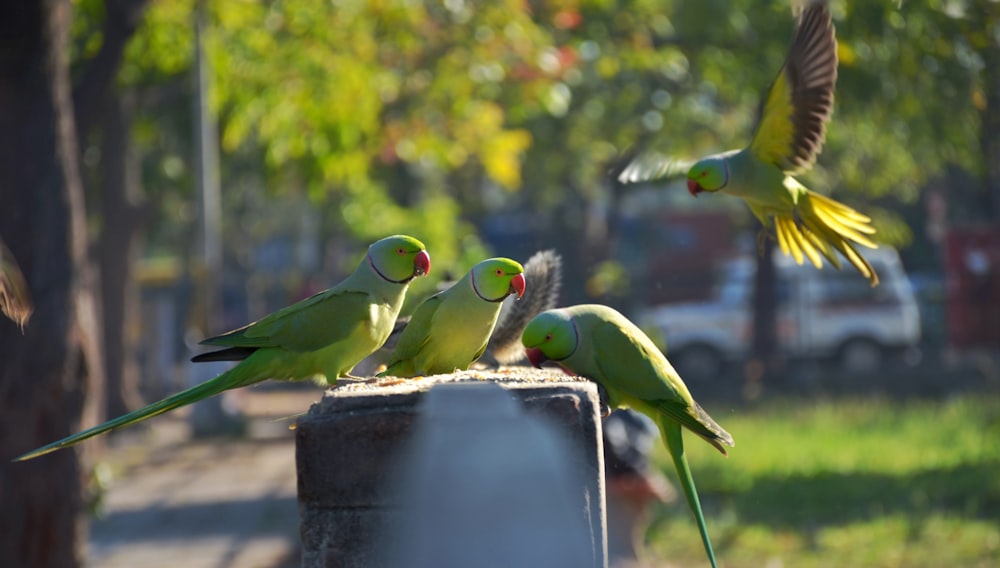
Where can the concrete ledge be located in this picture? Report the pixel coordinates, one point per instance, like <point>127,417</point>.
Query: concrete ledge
<point>352,449</point>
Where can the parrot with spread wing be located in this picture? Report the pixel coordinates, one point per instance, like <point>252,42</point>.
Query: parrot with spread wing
<point>598,343</point>
<point>319,338</point>
<point>788,136</point>
<point>450,330</point>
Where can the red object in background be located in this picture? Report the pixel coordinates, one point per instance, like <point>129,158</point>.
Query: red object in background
<point>698,242</point>
<point>972,271</point>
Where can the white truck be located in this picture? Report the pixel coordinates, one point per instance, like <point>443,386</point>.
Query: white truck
<point>822,314</point>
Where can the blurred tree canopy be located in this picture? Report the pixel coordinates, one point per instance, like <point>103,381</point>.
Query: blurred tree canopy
<point>432,117</point>
<point>441,119</point>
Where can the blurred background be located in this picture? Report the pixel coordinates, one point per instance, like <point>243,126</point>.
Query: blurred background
<point>173,169</point>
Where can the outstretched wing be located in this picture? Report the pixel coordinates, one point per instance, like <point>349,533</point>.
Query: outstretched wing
<point>792,125</point>
<point>653,165</point>
<point>311,324</point>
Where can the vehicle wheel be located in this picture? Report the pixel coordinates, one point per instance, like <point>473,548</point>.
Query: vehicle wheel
<point>698,363</point>
<point>861,356</point>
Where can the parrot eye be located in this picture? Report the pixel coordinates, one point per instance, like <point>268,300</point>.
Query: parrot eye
<point>499,272</point>
<point>704,173</point>
<point>401,251</point>
<point>548,337</point>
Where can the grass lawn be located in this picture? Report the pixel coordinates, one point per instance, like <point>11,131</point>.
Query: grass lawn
<point>853,482</point>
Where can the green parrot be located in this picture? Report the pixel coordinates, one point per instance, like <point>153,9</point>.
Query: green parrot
<point>320,338</point>
<point>598,343</point>
<point>788,136</point>
<point>451,329</point>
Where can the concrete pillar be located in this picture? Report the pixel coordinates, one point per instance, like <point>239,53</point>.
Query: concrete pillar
<point>454,471</point>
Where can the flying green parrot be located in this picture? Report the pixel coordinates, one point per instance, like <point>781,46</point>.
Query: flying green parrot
<point>598,343</point>
<point>451,329</point>
<point>788,136</point>
<point>320,338</point>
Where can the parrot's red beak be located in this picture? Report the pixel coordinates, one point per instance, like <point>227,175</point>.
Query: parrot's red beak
<point>422,263</point>
<point>517,284</point>
<point>536,356</point>
<point>693,188</point>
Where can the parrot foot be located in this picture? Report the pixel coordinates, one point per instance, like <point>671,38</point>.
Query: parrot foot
<point>797,218</point>
<point>602,398</point>
<point>762,237</point>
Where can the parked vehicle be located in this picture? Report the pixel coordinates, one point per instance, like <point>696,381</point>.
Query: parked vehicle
<point>822,314</point>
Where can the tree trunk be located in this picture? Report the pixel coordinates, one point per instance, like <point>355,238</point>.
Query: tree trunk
<point>121,219</point>
<point>765,315</point>
<point>989,141</point>
<point>47,373</point>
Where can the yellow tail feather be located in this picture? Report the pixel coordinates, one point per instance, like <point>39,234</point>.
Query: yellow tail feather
<point>835,223</point>
<point>839,226</point>
<point>822,226</point>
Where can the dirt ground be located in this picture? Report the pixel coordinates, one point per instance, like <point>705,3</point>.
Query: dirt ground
<point>214,503</point>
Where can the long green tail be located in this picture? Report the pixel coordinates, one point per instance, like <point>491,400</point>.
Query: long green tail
<point>671,432</point>
<point>230,379</point>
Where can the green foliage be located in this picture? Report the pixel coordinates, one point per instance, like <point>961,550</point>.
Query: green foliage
<point>337,90</point>
<point>435,116</point>
<point>163,47</point>
<point>908,75</point>
<point>856,482</point>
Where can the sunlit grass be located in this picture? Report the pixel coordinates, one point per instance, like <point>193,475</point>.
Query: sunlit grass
<point>865,482</point>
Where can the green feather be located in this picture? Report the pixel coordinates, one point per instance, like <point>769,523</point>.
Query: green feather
<point>320,337</point>
<point>600,344</point>
<point>787,138</point>
<point>450,330</point>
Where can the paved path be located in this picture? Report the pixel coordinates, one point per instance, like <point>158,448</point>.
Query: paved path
<point>204,504</point>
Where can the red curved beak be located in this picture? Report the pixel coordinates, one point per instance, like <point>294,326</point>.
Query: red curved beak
<point>517,284</point>
<point>536,356</point>
<point>422,263</point>
<point>693,188</point>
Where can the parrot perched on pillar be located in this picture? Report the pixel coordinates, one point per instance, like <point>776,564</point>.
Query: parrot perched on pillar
<point>320,338</point>
<point>544,270</point>
<point>450,329</point>
<point>789,134</point>
<point>600,344</point>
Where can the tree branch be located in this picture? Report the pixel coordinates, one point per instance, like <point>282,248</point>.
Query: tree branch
<point>122,19</point>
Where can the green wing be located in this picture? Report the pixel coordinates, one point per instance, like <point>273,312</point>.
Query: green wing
<point>313,323</point>
<point>416,334</point>
<point>652,166</point>
<point>636,367</point>
<point>632,363</point>
<point>792,125</point>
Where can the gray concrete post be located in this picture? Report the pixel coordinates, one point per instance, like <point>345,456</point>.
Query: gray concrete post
<point>451,471</point>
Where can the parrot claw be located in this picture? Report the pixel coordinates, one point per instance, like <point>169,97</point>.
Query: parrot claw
<point>353,379</point>
<point>602,398</point>
<point>762,237</point>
